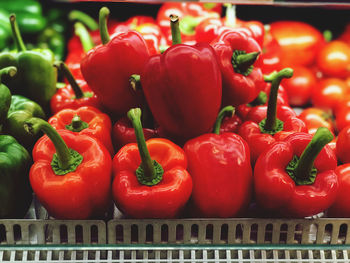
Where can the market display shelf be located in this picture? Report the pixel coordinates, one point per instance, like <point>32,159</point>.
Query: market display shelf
<point>181,240</point>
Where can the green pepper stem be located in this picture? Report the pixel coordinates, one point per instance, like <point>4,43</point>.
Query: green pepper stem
<point>175,29</point>
<point>76,15</point>
<point>226,111</point>
<point>69,76</point>
<point>259,100</point>
<point>306,161</point>
<point>34,125</point>
<point>85,38</point>
<point>275,78</point>
<point>16,34</point>
<point>135,82</point>
<point>77,124</point>
<point>103,16</point>
<point>230,15</point>
<point>9,71</point>
<point>146,162</point>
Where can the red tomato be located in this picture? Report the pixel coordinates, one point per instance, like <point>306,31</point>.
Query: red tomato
<point>333,59</point>
<point>299,41</point>
<point>328,93</point>
<point>300,86</point>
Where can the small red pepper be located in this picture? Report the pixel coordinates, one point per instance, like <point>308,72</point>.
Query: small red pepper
<point>242,79</point>
<point>271,55</point>
<point>266,124</point>
<point>341,207</point>
<point>153,36</point>
<point>108,67</point>
<point>71,175</point>
<point>296,177</point>
<point>221,172</point>
<point>176,87</point>
<point>85,121</point>
<point>343,145</point>
<point>315,118</point>
<point>150,178</point>
<point>74,95</point>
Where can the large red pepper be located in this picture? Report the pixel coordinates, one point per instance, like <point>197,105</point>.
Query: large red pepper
<point>190,14</point>
<point>266,124</point>
<point>271,55</point>
<point>74,95</point>
<point>108,67</point>
<point>296,177</point>
<point>242,79</point>
<point>221,172</point>
<point>341,206</point>
<point>71,175</point>
<point>183,82</point>
<point>86,121</point>
<point>343,145</point>
<point>150,178</point>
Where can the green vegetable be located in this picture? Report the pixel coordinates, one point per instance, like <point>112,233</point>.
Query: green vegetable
<point>15,191</point>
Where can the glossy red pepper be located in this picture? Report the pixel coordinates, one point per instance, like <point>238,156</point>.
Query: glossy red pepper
<point>150,178</point>
<point>71,175</point>
<point>300,42</point>
<point>341,207</point>
<point>300,87</point>
<point>74,95</point>
<point>242,79</point>
<point>190,14</point>
<point>108,67</point>
<point>231,124</point>
<point>342,117</point>
<point>343,145</point>
<point>212,27</point>
<point>176,88</point>
<point>271,55</point>
<point>221,172</point>
<point>262,99</point>
<point>153,36</point>
<point>86,121</point>
<point>266,124</point>
<point>296,177</point>
<point>315,118</point>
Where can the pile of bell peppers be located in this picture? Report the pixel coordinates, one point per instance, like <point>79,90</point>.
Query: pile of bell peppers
<point>191,113</point>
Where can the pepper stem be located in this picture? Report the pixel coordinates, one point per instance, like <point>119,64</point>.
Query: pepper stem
<point>135,82</point>
<point>303,170</point>
<point>76,15</point>
<point>65,160</point>
<point>69,76</point>
<point>9,71</point>
<point>226,111</point>
<point>103,16</point>
<point>242,62</point>
<point>85,38</point>
<point>16,34</point>
<point>149,172</point>
<point>77,124</point>
<point>175,29</point>
<point>275,78</point>
<point>230,15</point>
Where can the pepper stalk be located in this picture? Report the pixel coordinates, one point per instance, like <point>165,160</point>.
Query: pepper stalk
<point>226,111</point>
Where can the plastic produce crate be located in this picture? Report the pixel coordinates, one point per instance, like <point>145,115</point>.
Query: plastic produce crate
<point>182,240</point>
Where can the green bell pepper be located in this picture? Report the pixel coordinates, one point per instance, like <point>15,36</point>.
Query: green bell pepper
<point>22,109</point>
<point>15,190</point>
<point>29,14</point>
<point>5,95</point>
<point>36,77</point>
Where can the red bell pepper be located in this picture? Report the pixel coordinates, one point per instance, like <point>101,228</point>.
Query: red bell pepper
<point>262,99</point>
<point>271,55</point>
<point>296,177</point>
<point>190,14</point>
<point>108,67</point>
<point>341,207</point>
<point>212,27</point>
<point>150,178</point>
<point>315,118</point>
<point>342,117</point>
<point>299,41</point>
<point>230,124</point>
<point>343,145</point>
<point>74,95</point>
<point>71,175</point>
<point>266,124</point>
<point>221,172</point>
<point>86,121</point>
<point>177,89</point>
<point>242,79</point>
